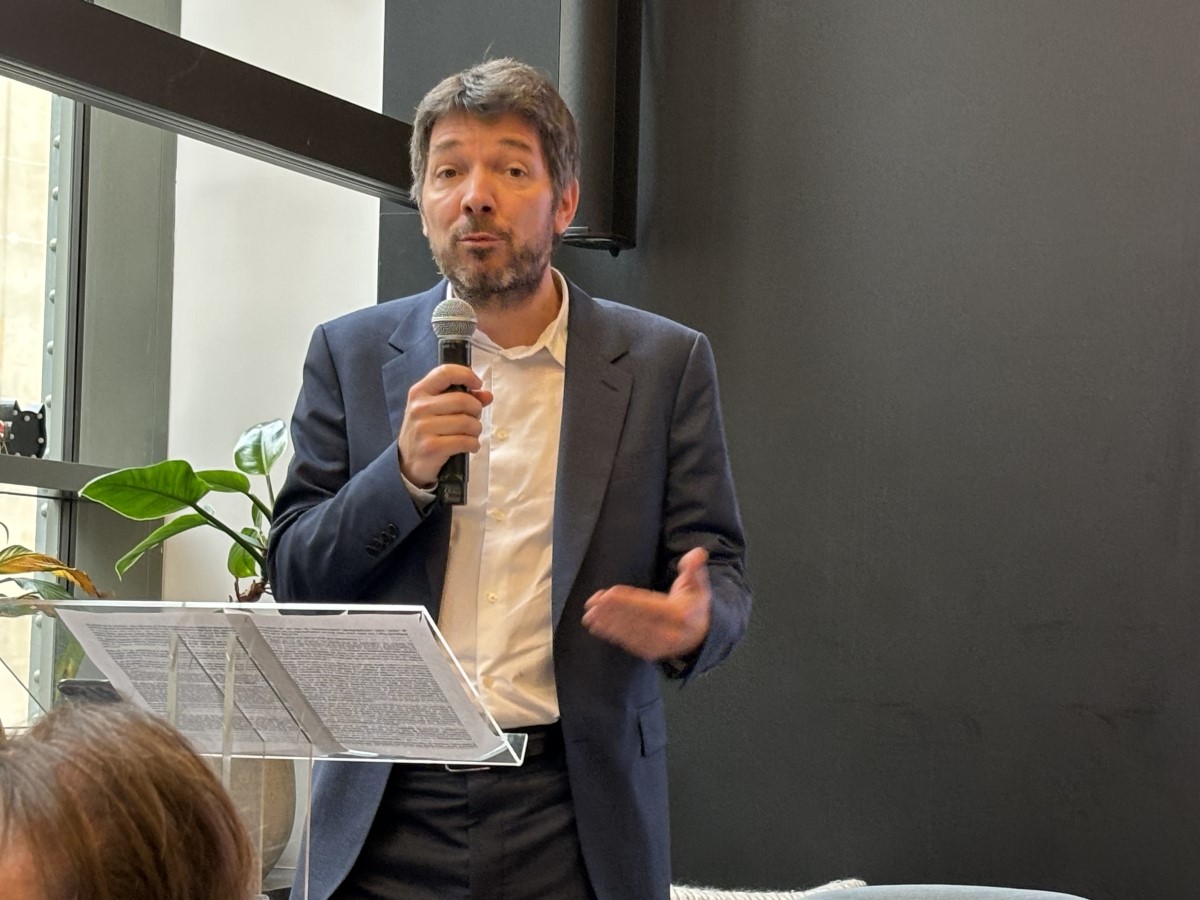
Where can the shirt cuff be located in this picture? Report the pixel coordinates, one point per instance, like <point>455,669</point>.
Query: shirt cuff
<point>421,498</point>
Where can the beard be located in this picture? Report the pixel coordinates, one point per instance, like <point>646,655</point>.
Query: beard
<point>486,287</point>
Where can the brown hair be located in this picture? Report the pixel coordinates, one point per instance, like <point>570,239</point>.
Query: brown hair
<point>114,803</point>
<point>493,88</point>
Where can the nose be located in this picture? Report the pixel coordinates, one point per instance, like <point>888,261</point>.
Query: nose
<point>478,195</point>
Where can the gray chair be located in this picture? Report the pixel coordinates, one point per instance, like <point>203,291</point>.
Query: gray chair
<point>853,889</point>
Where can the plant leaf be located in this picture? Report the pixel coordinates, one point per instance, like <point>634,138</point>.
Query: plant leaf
<point>37,587</point>
<point>256,536</point>
<point>226,481</point>
<point>18,560</point>
<point>156,537</point>
<point>68,654</point>
<point>241,564</point>
<point>260,446</point>
<point>148,492</point>
<point>10,552</point>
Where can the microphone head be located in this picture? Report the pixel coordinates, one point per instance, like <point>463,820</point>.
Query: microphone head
<point>453,319</point>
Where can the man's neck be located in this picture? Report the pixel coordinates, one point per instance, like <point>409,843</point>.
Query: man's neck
<point>518,323</point>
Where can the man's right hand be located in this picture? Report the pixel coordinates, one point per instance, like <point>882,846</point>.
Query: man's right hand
<point>440,422</point>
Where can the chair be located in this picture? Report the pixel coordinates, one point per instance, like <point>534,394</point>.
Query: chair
<point>858,890</point>
<point>691,892</point>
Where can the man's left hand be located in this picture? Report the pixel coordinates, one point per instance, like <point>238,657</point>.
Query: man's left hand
<point>651,624</point>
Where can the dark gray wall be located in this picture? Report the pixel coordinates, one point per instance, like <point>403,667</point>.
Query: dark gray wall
<point>948,254</point>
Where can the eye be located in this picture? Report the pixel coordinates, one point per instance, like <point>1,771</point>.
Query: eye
<point>443,172</point>
<point>516,172</point>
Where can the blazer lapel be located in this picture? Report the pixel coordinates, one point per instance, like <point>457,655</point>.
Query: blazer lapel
<point>595,398</point>
<point>414,353</point>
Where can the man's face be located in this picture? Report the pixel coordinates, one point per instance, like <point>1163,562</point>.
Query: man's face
<point>488,209</point>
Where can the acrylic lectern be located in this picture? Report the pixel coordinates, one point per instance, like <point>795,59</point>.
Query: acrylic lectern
<point>247,682</point>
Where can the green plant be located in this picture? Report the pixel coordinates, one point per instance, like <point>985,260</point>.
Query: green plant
<point>151,492</point>
<point>17,562</point>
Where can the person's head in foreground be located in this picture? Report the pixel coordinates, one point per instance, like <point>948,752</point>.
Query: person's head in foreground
<point>101,801</point>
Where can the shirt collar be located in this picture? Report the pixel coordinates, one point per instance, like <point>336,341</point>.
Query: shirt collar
<point>553,339</point>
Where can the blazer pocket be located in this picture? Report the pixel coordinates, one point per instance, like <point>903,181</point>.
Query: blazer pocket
<point>652,724</point>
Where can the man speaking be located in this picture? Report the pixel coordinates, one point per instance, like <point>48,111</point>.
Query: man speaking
<point>598,544</point>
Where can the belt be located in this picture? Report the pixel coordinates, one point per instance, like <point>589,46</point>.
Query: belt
<point>540,740</point>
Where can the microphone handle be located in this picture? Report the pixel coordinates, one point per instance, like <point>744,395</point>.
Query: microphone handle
<point>452,479</point>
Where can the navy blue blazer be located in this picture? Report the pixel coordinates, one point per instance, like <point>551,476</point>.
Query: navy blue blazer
<point>643,476</point>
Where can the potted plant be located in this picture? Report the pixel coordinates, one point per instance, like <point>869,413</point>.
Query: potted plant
<point>152,492</point>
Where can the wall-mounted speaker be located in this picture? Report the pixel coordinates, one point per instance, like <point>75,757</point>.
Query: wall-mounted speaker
<point>599,74</point>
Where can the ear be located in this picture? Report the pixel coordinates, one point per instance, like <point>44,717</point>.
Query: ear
<point>567,206</point>
<point>424,224</point>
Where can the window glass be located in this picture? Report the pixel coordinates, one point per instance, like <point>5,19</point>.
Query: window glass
<point>335,47</point>
<point>19,513</point>
<point>28,171</point>
<point>328,48</point>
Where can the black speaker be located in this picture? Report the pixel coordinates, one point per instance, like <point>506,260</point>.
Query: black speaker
<point>599,76</point>
<point>22,429</point>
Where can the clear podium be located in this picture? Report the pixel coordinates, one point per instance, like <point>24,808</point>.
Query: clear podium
<point>263,690</point>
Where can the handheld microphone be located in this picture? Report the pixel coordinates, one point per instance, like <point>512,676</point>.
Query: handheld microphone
<point>454,323</point>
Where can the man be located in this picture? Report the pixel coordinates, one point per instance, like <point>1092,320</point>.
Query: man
<point>599,546</point>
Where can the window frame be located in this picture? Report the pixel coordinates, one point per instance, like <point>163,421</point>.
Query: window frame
<point>105,60</point>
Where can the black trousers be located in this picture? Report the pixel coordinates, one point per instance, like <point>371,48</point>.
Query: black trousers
<point>492,834</point>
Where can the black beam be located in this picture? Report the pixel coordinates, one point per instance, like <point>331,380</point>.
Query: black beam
<point>97,56</point>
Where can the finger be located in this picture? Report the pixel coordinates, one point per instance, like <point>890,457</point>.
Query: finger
<point>693,571</point>
<point>593,600</point>
<point>444,377</point>
<point>627,616</point>
<point>451,424</point>
<point>626,600</point>
<point>424,410</point>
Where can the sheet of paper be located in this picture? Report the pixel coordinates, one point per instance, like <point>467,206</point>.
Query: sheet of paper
<point>372,684</point>
<point>133,650</point>
<point>381,683</point>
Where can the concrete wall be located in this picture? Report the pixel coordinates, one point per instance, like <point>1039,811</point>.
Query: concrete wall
<point>947,253</point>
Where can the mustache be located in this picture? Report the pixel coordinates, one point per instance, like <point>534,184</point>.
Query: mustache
<point>474,226</point>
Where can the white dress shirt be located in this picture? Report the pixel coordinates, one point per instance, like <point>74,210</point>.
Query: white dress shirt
<point>495,608</point>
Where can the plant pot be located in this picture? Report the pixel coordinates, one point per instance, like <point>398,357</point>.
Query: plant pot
<point>264,791</point>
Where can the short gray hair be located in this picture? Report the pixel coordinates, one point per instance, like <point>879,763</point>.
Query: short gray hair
<point>491,89</point>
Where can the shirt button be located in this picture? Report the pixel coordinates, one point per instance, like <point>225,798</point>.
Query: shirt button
<point>499,515</point>
<point>502,434</point>
<point>491,597</point>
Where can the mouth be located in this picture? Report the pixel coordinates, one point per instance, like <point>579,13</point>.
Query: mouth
<point>481,239</point>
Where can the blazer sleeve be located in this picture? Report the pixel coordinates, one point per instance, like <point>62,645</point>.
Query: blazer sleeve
<point>335,532</point>
<point>702,508</point>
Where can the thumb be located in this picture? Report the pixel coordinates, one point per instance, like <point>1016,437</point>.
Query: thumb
<point>693,569</point>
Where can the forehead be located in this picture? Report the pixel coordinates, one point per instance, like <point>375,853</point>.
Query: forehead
<point>462,130</point>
